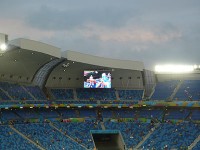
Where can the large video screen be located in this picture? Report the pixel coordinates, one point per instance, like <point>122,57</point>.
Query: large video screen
<point>97,79</point>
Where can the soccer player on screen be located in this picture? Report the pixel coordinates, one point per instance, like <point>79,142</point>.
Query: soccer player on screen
<point>106,80</point>
<point>92,82</point>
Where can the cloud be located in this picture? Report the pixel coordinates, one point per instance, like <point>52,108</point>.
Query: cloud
<point>67,14</point>
<point>51,18</point>
<point>135,34</point>
<point>16,28</point>
<point>149,31</point>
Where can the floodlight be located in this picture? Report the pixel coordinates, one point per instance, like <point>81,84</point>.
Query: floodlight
<point>195,66</point>
<point>3,47</point>
<point>174,68</point>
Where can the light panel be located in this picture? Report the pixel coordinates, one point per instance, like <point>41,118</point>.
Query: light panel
<point>170,68</point>
<point>3,47</point>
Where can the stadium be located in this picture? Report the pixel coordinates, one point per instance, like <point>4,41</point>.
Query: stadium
<point>66,100</point>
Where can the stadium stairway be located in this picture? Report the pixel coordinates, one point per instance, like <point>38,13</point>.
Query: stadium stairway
<point>50,94</point>
<point>53,126</point>
<point>43,73</point>
<point>147,136</point>
<point>175,90</point>
<point>188,116</point>
<point>18,115</point>
<point>102,126</point>
<point>117,94</point>
<point>194,143</point>
<point>6,93</point>
<point>75,94</point>
<point>153,90</point>
<point>163,116</point>
<point>26,138</point>
<point>77,113</point>
<point>28,92</point>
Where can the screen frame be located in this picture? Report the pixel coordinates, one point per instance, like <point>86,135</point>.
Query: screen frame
<point>97,79</point>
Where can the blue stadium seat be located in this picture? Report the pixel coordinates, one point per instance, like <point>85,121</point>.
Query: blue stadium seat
<point>130,94</point>
<point>36,92</point>
<point>47,137</point>
<point>3,96</point>
<point>172,136</point>
<point>189,90</point>
<point>10,140</point>
<point>163,90</point>
<point>80,131</point>
<point>96,94</point>
<point>63,94</point>
<point>15,91</point>
<point>132,133</point>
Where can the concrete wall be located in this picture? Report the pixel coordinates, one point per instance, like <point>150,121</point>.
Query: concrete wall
<point>120,141</point>
<point>150,82</point>
<point>72,76</point>
<point>3,38</point>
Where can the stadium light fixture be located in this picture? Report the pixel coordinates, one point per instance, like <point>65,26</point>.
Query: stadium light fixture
<point>3,47</point>
<point>195,66</point>
<point>174,68</point>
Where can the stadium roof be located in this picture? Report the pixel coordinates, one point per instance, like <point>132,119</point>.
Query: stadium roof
<point>36,46</point>
<point>25,57</point>
<point>100,61</point>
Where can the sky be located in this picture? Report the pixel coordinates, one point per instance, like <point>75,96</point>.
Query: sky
<point>151,31</point>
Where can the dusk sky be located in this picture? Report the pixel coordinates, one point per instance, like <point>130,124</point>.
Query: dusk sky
<point>152,31</point>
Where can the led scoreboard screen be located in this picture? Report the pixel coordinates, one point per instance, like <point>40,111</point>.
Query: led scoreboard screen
<point>97,79</point>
